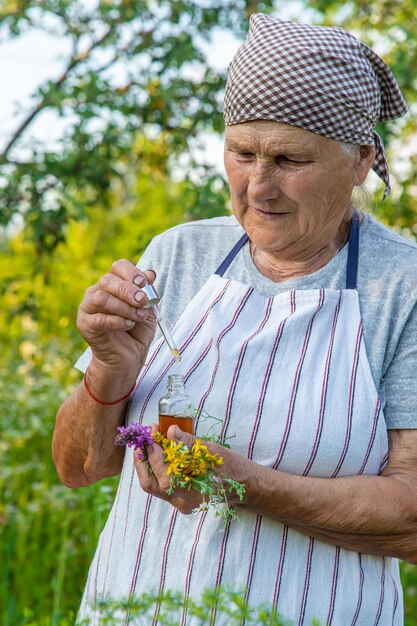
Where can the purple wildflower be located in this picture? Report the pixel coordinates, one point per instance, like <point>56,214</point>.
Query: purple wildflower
<point>135,436</point>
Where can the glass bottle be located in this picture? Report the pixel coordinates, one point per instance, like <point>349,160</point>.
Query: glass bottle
<point>175,407</point>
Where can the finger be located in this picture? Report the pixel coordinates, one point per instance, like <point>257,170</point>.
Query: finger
<point>129,272</point>
<point>154,428</point>
<point>99,323</point>
<point>122,289</point>
<point>104,302</point>
<point>156,460</point>
<point>150,276</point>
<point>148,481</point>
<point>142,467</point>
<point>177,435</point>
<point>155,482</point>
<point>155,456</point>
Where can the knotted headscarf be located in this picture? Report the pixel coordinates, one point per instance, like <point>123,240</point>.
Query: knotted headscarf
<point>318,78</point>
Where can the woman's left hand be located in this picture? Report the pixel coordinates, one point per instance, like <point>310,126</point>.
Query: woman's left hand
<point>368,514</point>
<point>156,483</point>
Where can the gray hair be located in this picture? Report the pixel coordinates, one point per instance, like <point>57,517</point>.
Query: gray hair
<point>361,197</point>
<point>349,148</point>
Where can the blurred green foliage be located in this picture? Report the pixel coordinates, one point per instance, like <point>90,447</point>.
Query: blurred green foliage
<point>48,532</point>
<point>230,605</point>
<point>103,194</point>
<point>134,67</point>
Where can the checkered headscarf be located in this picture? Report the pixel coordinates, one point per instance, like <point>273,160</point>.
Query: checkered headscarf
<point>318,78</point>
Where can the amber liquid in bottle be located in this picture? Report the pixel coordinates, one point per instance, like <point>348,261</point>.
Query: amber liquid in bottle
<point>185,423</point>
<point>176,407</point>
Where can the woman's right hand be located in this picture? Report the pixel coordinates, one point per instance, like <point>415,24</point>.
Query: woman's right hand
<point>112,320</point>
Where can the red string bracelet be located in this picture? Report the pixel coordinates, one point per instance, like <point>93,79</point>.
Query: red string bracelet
<point>106,403</point>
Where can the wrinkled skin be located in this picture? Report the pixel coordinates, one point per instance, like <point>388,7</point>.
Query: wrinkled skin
<point>291,190</point>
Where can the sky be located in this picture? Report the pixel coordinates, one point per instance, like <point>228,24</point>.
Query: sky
<point>25,63</point>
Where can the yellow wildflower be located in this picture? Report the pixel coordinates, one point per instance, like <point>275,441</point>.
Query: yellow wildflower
<point>184,462</point>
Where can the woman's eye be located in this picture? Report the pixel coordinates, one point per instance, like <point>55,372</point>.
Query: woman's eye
<point>282,158</point>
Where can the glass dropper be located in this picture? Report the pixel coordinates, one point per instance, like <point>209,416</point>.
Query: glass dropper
<point>166,333</point>
<point>153,301</point>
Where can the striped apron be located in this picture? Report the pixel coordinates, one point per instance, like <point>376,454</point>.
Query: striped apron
<point>290,377</point>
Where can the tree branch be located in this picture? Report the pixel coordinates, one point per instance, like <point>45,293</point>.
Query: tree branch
<point>75,60</point>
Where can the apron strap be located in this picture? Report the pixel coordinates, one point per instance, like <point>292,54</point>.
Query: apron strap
<point>233,252</point>
<point>352,261</point>
<point>353,252</point>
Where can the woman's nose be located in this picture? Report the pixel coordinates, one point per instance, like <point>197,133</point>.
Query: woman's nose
<point>263,184</point>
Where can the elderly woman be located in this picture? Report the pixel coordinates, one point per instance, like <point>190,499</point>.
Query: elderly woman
<point>296,320</point>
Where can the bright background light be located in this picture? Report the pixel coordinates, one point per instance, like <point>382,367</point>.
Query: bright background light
<point>30,59</point>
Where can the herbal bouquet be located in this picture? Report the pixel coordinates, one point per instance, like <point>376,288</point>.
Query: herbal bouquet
<point>190,468</point>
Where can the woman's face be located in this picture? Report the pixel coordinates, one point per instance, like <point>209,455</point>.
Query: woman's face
<point>290,188</point>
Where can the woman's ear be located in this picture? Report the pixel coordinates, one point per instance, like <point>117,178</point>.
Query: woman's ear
<point>363,162</point>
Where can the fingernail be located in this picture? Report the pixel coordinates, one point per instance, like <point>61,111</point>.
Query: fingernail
<point>142,313</point>
<point>139,281</point>
<point>129,323</point>
<point>177,433</point>
<point>139,295</point>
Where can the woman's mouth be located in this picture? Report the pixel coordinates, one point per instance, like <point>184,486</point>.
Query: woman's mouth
<point>270,214</point>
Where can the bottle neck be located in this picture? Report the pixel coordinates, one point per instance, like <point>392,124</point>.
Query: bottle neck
<point>176,384</point>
